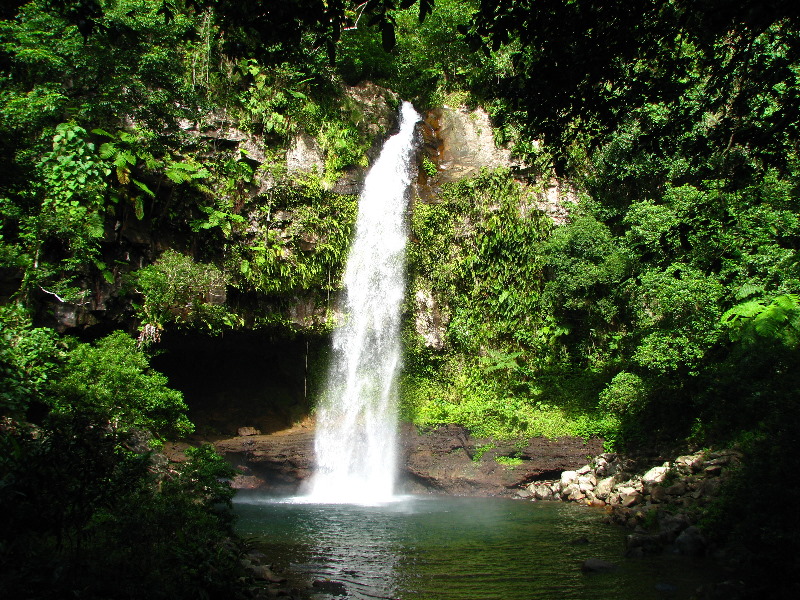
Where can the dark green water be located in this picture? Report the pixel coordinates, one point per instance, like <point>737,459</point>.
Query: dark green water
<point>441,548</point>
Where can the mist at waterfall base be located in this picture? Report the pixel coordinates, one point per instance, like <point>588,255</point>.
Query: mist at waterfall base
<point>356,421</point>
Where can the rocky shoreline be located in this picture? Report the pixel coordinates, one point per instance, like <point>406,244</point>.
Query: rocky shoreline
<point>661,504</point>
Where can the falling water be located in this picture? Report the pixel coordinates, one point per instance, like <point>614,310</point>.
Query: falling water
<point>356,434</point>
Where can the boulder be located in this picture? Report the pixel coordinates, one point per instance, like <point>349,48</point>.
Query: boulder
<point>568,477</point>
<point>671,525</point>
<point>631,499</point>
<point>597,565</point>
<point>647,544</point>
<point>655,475</point>
<point>691,542</point>
<point>676,489</point>
<point>244,431</point>
<point>658,493</point>
<point>604,487</point>
<point>605,464</point>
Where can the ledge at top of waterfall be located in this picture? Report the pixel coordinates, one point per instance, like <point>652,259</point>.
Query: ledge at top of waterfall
<point>356,435</point>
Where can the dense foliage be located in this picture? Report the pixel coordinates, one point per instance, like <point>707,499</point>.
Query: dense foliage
<point>663,312</point>
<point>87,508</point>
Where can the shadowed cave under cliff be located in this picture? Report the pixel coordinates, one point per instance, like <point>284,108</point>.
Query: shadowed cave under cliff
<point>243,379</point>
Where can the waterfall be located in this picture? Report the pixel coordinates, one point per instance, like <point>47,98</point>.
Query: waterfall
<point>356,434</point>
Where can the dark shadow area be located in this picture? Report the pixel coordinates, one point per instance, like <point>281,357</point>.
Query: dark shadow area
<point>243,379</point>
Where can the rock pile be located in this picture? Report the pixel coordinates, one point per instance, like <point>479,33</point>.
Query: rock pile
<point>659,504</point>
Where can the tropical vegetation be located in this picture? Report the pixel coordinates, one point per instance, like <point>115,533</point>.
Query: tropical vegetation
<point>664,311</point>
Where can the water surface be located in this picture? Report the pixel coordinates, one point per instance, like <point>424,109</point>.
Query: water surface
<point>445,548</point>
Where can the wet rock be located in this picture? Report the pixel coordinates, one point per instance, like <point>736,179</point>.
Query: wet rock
<point>282,460</point>
<point>691,542</point>
<point>334,588</point>
<point>643,544</point>
<point>443,460</point>
<point>596,565</point>
<point>465,143</point>
<point>671,525</point>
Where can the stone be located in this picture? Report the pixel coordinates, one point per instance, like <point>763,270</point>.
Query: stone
<point>576,495</point>
<point>253,150</point>
<point>604,487</point>
<point>658,493</point>
<point>671,525</point>
<point>552,197</point>
<point>649,544</point>
<point>585,469</point>
<point>244,431</point>
<point>631,499</point>
<point>691,542</point>
<point>605,464</point>
<point>572,492</point>
<point>467,143</point>
<point>597,565</point>
<point>568,477</point>
<point>713,470</point>
<point>655,475</point>
<point>676,489</point>
<point>589,480</point>
<point>265,573</point>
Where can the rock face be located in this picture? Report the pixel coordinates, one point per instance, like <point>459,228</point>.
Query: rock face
<point>304,156</point>
<point>461,143</point>
<point>277,463</point>
<point>430,322</point>
<point>447,460</point>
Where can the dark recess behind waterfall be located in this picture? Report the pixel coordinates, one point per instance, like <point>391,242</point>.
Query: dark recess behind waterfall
<point>243,379</point>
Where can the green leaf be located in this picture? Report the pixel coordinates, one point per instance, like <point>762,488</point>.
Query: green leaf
<point>143,187</point>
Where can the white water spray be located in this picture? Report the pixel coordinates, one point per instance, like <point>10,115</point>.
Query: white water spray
<point>356,433</point>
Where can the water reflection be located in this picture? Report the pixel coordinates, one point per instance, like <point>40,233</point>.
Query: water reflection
<point>459,549</point>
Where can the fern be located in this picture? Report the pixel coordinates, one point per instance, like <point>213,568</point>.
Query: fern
<point>753,321</point>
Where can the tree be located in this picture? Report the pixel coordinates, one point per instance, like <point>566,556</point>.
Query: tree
<point>582,66</point>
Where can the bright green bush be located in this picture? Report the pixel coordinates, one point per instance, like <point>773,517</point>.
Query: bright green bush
<point>112,380</point>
